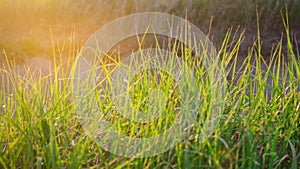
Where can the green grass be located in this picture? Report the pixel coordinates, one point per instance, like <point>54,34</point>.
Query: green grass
<point>39,126</point>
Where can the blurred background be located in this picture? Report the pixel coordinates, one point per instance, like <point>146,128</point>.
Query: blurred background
<point>33,30</point>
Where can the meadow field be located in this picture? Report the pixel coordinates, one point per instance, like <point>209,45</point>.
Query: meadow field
<point>257,42</point>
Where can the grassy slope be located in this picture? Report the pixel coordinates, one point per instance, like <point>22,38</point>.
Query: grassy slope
<point>28,27</point>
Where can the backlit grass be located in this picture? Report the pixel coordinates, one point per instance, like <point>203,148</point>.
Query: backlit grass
<point>39,126</point>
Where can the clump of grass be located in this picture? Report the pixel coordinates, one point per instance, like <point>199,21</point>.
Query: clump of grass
<point>40,128</point>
